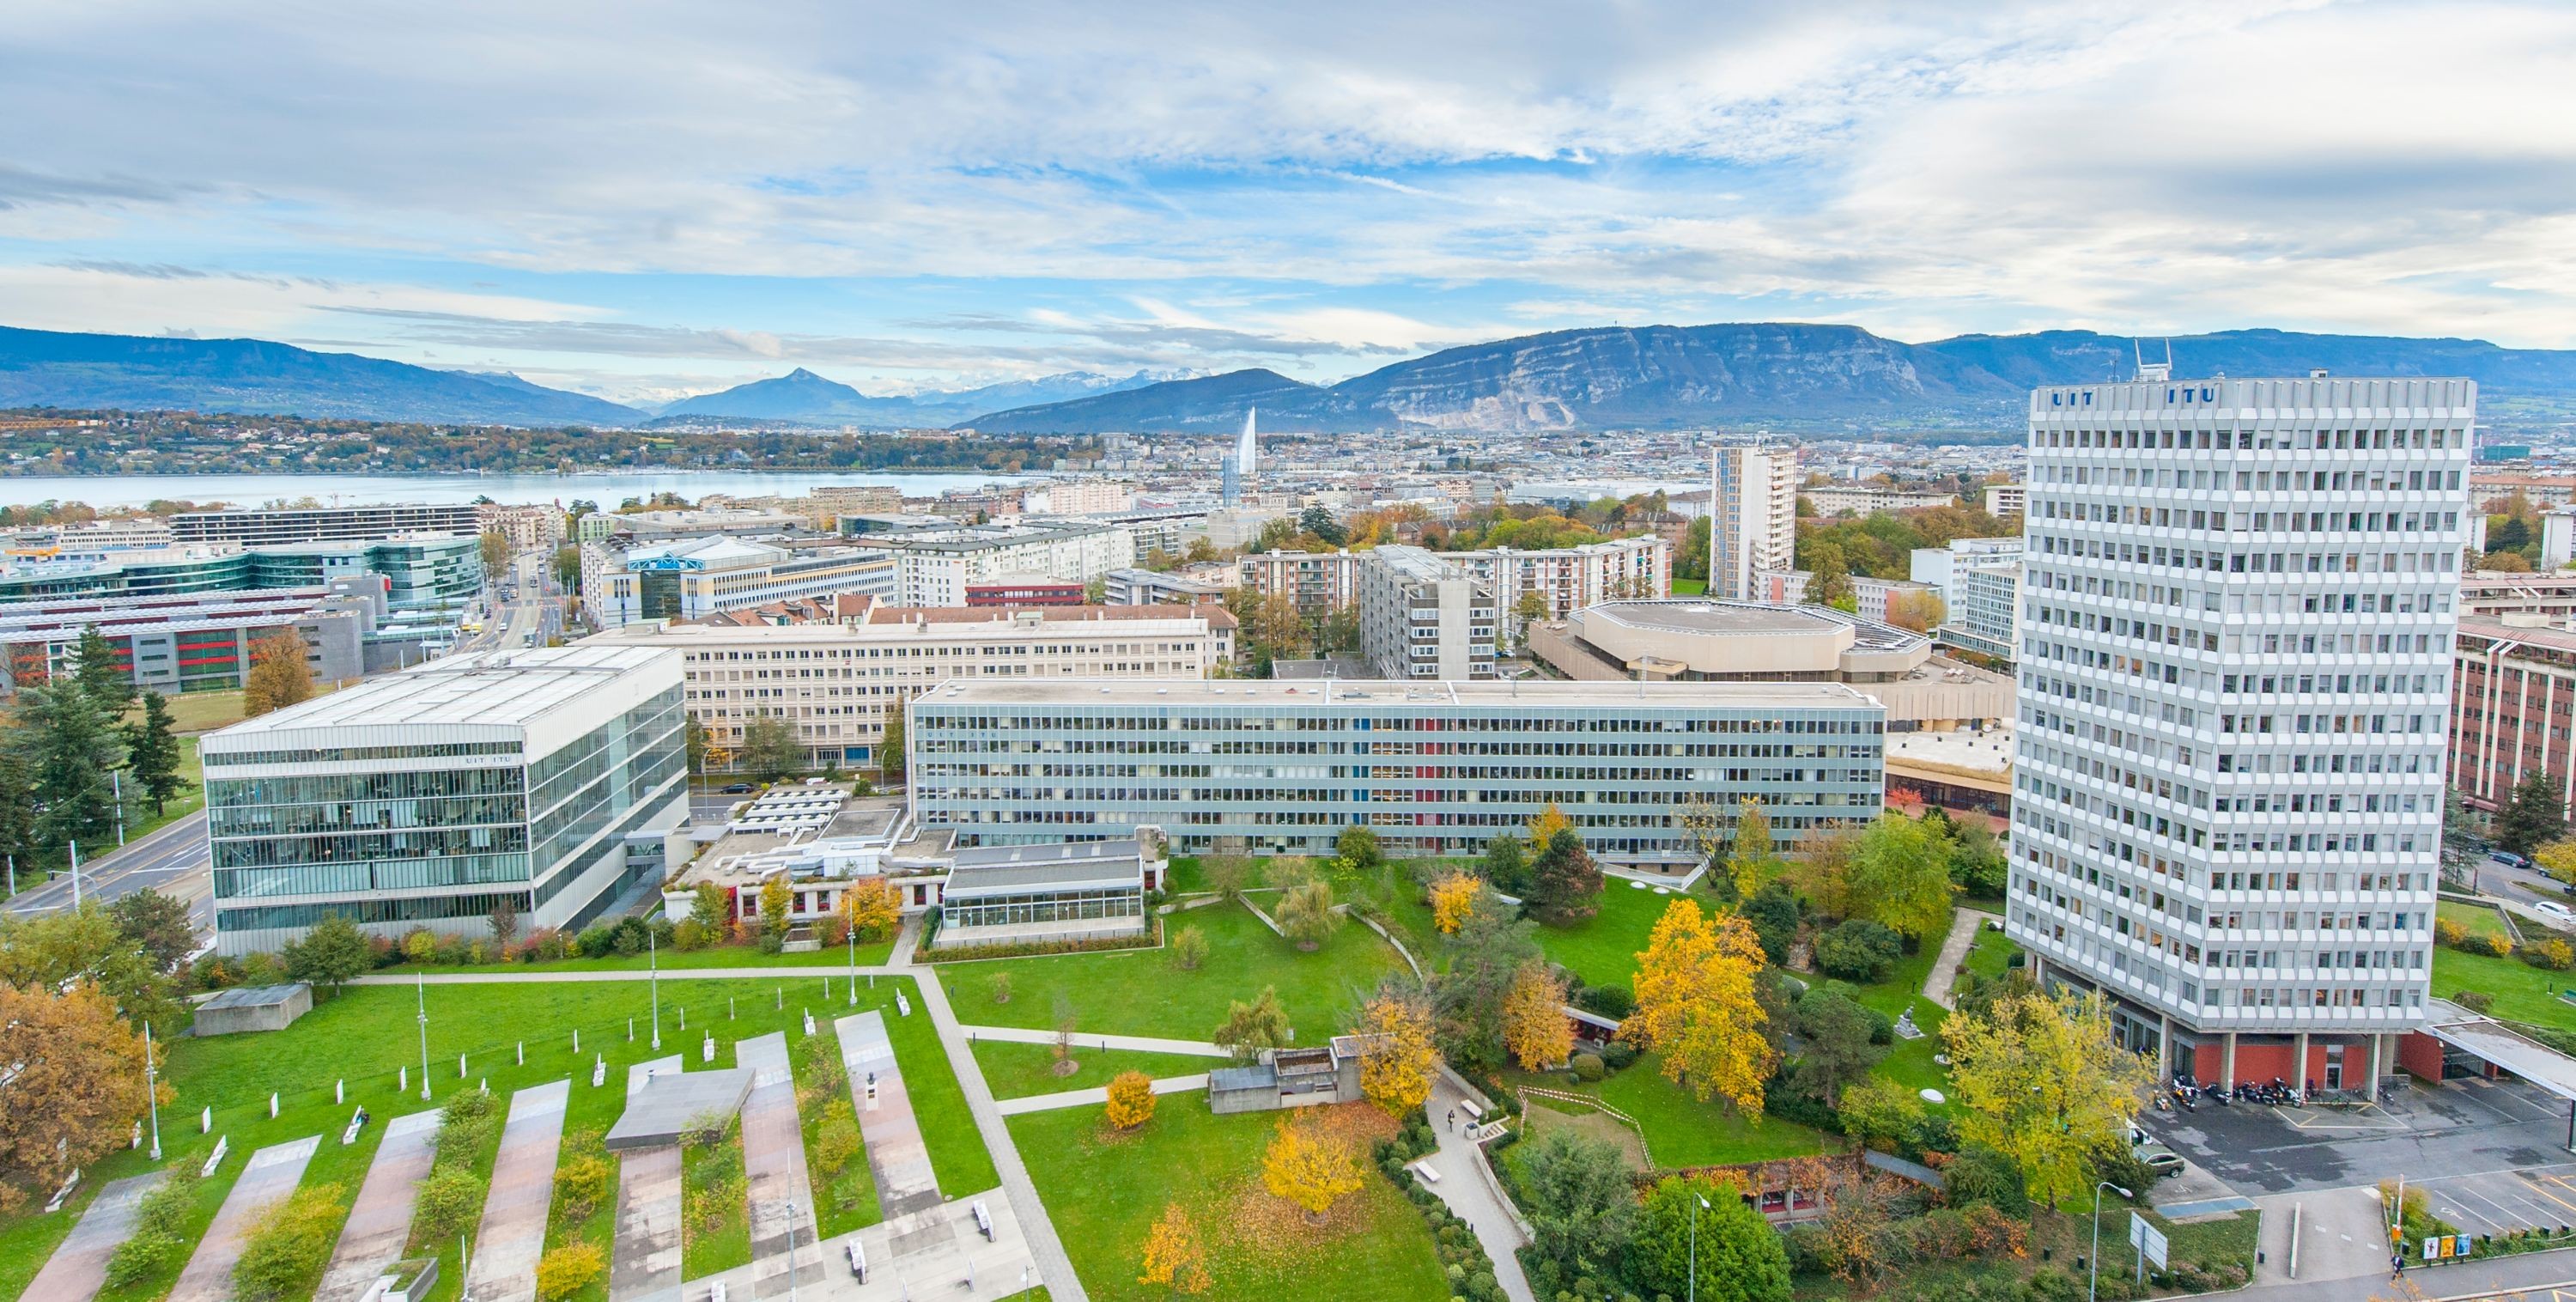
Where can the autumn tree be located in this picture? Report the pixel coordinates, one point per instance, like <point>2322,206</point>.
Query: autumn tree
<point>1899,876</point>
<point>279,674</point>
<point>1683,1222</point>
<point>873,906</point>
<point>1749,849</point>
<point>494,547</point>
<point>1919,612</point>
<point>74,1085</point>
<point>1173,1256</point>
<point>1535,1027</point>
<point>1484,957</point>
<point>1250,1028</point>
<point>1696,1005</point>
<point>775,906</point>
<point>1550,821</point>
<point>2043,1080</point>
<point>1131,1100</point>
<point>1189,949</point>
<point>1565,886</point>
<point>53,951</point>
<point>1453,898</point>
<point>1306,915</point>
<point>1397,1063</point>
<point>1305,1166</point>
<point>1822,871</point>
<point>2558,859</point>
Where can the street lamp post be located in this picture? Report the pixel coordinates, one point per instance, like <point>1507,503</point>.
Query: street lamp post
<point>853,934</point>
<point>75,845</point>
<point>1699,1204</point>
<point>420,998</point>
<point>654,952</point>
<point>2093,1273</point>
<point>152,1090</point>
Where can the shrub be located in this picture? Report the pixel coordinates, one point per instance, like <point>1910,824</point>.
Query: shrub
<point>569,1269</point>
<point>690,935</point>
<point>289,1244</point>
<point>2476,1001</point>
<point>420,945</point>
<point>453,951</point>
<point>158,1237</point>
<point>1618,1055</point>
<point>1879,1111</point>
<point>1589,1067</point>
<point>2553,954</point>
<point>2491,946</point>
<point>1610,1001</point>
<point>1858,950</point>
<point>772,942</point>
<point>627,937</point>
<point>581,1182</point>
<point>2449,933</point>
<point>1131,1100</point>
<point>1189,949</point>
<point>594,942</point>
<point>831,930</point>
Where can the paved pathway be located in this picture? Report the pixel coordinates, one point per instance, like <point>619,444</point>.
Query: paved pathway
<point>1467,1185</point>
<point>78,1269</point>
<point>1142,1043</point>
<point>897,1159</point>
<point>380,1221</point>
<point>814,974</point>
<point>513,1234</point>
<point>937,1252</point>
<point>1096,1096</point>
<point>644,1257</point>
<point>773,1156</point>
<point>270,1174</point>
<point>1054,1268</point>
<point>1954,951</point>
<point>2537,1276</point>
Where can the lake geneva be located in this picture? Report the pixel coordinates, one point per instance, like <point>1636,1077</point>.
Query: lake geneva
<point>606,488</point>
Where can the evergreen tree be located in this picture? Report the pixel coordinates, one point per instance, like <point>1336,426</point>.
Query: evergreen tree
<point>95,668</point>
<point>1505,865</point>
<point>152,752</point>
<point>2531,817</point>
<point>890,747</point>
<point>73,749</point>
<point>17,800</point>
<point>1566,886</point>
<point>331,953</point>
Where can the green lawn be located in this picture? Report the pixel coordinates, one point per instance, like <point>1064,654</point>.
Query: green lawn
<point>1682,1131</point>
<point>1019,1070</point>
<point>2476,919</point>
<point>713,1181</point>
<point>845,1200</point>
<point>587,1117</point>
<point>1105,1191</point>
<point>366,1033</point>
<point>1139,992</point>
<point>824,961</point>
<point>1690,587</point>
<point>1991,957</point>
<point>1603,949</point>
<point>2523,993</point>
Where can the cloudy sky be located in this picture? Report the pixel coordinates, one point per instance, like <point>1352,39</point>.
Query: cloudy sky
<point>643,199</point>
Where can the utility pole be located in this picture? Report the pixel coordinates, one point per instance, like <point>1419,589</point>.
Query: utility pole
<point>1699,1204</point>
<point>76,901</point>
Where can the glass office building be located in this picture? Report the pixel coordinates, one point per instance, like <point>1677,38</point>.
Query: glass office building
<point>1432,767</point>
<point>542,779</point>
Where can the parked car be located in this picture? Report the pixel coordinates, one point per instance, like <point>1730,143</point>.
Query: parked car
<point>734,788</point>
<point>2555,912</point>
<point>2508,858</point>
<point>2162,1161</point>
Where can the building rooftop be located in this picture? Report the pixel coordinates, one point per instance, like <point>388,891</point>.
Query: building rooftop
<point>493,688</point>
<point>984,869</point>
<point>1753,619</point>
<point>254,996</point>
<point>1532,694</point>
<point>882,623</point>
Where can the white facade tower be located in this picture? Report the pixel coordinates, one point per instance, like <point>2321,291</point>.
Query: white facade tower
<point>2235,663</point>
<point>1238,468</point>
<point>1752,518</point>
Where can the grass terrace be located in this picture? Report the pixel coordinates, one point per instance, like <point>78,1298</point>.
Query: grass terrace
<point>1139,992</point>
<point>2523,993</point>
<point>1014,1070</point>
<point>1679,1130</point>
<point>1603,948</point>
<point>2476,919</point>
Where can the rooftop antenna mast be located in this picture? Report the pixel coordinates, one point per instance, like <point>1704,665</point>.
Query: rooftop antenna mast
<point>2152,371</point>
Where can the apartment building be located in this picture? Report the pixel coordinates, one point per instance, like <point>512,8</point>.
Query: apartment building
<point>623,582</point>
<point>1421,617</point>
<point>94,541</point>
<point>1432,767</point>
<point>2007,499</point>
<point>536,527</point>
<point>1078,497</point>
<point>271,525</point>
<point>549,780</point>
<point>1753,517</point>
<point>1565,579</point>
<point>2509,715</point>
<point>1849,499</point>
<point>836,681</point>
<point>934,567</point>
<point>1979,580</point>
<point>2236,652</point>
<point>1134,587</point>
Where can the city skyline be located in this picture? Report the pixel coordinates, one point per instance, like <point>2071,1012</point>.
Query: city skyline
<point>659,205</point>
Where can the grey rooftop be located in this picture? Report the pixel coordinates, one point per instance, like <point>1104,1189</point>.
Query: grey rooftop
<point>254,996</point>
<point>493,688</point>
<point>673,1103</point>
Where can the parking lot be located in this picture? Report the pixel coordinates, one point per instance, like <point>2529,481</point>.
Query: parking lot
<point>2493,1154</point>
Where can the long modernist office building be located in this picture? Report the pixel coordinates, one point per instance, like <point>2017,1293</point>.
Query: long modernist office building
<point>545,779</point>
<point>1433,767</point>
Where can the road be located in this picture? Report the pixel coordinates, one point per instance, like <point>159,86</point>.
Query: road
<point>173,860</point>
<point>535,609</point>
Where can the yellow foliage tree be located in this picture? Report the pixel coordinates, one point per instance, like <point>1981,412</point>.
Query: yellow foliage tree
<point>774,906</point>
<point>1131,1100</point>
<point>1750,849</point>
<point>1535,1027</point>
<point>1824,866</point>
<point>2558,859</point>
<point>1453,901</point>
<point>279,674</point>
<point>1173,1256</point>
<point>569,1269</point>
<point>2043,1080</point>
<point>1307,1168</point>
<point>1396,1068</point>
<point>874,908</point>
<point>1549,822</point>
<point>1696,1005</point>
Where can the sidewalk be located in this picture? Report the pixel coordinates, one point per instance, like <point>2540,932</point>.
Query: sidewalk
<point>1468,1189</point>
<point>2533,1275</point>
<point>1096,1096</point>
<point>1954,951</point>
<point>1055,1268</point>
<point>1086,1039</point>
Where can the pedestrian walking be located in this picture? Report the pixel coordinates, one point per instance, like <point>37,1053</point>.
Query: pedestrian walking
<point>1453,1119</point>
